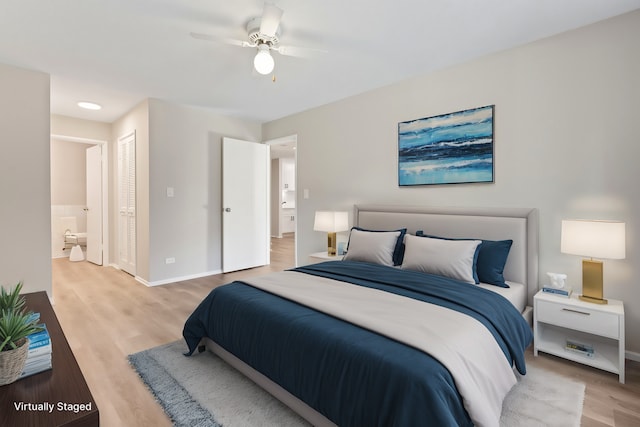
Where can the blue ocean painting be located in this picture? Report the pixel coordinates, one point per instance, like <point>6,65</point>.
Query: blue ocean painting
<point>447,149</point>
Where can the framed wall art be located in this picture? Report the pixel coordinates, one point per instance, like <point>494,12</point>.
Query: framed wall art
<point>452,148</point>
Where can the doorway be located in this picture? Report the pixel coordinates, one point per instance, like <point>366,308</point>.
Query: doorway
<point>284,195</point>
<point>70,201</point>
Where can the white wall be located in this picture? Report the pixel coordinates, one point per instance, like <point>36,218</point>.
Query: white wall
<point>80,128</point>
<point>565,142</point>
<point>180,147</point>
<point>25,207</point>
<point>68,173</point>
<point>185,153</point>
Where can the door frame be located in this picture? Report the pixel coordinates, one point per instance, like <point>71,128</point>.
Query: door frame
<point>93,156</point>
<point>286,140</point>
<point>105,186</point>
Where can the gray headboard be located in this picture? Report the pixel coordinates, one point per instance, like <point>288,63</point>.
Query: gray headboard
<point>517,224</point>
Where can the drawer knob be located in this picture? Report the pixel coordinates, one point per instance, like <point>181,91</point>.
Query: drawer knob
<point>576,311</point>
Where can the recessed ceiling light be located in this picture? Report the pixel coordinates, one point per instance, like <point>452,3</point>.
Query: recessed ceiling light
<point>89,105</point>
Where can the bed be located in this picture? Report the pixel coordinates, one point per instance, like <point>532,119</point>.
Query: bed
<point>361,342</point>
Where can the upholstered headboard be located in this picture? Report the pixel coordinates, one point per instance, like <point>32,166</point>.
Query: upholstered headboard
<point>517,224</point>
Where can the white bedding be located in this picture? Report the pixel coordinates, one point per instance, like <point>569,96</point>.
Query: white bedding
<point>463,345</point>
<point>516,293</point>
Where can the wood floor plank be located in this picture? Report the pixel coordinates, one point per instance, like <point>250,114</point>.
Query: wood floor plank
<point>107,315</point>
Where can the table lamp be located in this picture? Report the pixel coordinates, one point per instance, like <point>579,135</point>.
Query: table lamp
<point>331,222</point>
<point>594,239</point>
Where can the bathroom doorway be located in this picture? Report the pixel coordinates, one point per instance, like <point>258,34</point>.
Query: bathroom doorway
<point>79,202</point>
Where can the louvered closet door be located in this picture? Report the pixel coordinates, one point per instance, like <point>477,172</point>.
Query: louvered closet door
<point>127,203</point>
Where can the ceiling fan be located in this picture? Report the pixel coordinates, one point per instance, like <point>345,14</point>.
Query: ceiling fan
<point>263,35</point>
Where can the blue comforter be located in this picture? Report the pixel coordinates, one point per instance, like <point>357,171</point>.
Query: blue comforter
<point>351,375</point>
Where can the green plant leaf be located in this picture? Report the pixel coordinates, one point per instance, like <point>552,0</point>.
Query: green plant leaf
<point>14,326</point>
<point>12,300</point>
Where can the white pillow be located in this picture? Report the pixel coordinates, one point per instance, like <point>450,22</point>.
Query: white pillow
<point>450,258</point>
<point>372,246</point>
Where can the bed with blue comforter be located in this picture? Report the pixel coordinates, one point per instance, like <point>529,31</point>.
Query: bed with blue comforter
<point>350,374</point>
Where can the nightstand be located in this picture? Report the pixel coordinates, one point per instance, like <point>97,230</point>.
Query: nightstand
<point>595,332</point>
<point>323,256</point>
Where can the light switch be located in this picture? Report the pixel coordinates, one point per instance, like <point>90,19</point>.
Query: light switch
<point>169,191</point>
<point>305,193</point>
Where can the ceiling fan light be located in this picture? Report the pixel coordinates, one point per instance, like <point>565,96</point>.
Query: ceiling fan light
<point>263,62</point>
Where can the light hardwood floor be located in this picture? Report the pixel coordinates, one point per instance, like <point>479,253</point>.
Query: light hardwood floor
<point>107,315</point>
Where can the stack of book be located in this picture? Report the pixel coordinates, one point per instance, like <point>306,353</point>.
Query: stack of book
<point>563,292</point>
<point>580,348</point>
<point>39,354</point>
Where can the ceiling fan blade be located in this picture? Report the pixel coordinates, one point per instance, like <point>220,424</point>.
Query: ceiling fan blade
<point>240,43</point>
<point>300,52</point>
<point>211,38</point>
<point>207,37</point>
<point>270,20</point>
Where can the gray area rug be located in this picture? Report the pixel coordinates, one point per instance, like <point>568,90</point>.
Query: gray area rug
<point>203,390</point>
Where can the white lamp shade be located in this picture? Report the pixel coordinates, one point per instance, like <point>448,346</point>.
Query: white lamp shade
<point>263,61</point>
<point>594,239</point>
<point>331,222</point>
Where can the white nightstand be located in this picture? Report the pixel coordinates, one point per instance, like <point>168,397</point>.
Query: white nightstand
<point>323,256</point>
<point>558,319</point>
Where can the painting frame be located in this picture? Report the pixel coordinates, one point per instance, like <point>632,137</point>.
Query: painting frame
<point>451,148</point>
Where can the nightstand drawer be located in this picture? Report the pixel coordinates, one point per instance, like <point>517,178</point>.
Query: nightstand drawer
<point>578,318</point>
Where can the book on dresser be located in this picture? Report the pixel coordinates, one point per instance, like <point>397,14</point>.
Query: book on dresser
<point>39,353</point>
<point>562,292</point>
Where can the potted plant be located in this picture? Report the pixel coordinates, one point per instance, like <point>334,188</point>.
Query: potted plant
<point>15,327</point>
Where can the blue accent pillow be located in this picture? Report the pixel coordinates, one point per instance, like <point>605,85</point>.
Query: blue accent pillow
<point>489,260</point>
<point>492,258</point>
<point>398,252</point>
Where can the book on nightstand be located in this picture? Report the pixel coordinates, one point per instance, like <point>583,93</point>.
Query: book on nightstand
<point>563,292</point>
<point>580,348</point>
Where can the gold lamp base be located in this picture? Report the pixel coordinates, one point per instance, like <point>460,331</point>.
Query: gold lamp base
<point>592,282</point>
<point>331,244</point>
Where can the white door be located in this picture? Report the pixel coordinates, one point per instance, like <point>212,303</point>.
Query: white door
<point>94,204</point>
<point>127,203</point>
<point>245,204</point>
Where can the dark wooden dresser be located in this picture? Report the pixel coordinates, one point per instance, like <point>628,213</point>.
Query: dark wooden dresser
<point>57,397</point>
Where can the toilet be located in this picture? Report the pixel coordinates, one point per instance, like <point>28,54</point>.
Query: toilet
<point>72,238</point>
<point>76,254</point>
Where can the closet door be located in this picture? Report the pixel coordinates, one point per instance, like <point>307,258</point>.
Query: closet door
<point>127,203</point>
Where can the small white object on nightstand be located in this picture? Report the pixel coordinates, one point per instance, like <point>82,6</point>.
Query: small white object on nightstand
<point>557,280</point>
<point>323,256</point>
<point>597,329</point>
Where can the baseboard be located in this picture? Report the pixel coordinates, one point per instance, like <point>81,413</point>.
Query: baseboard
<point>176,279</point>
<point>632,355</point>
